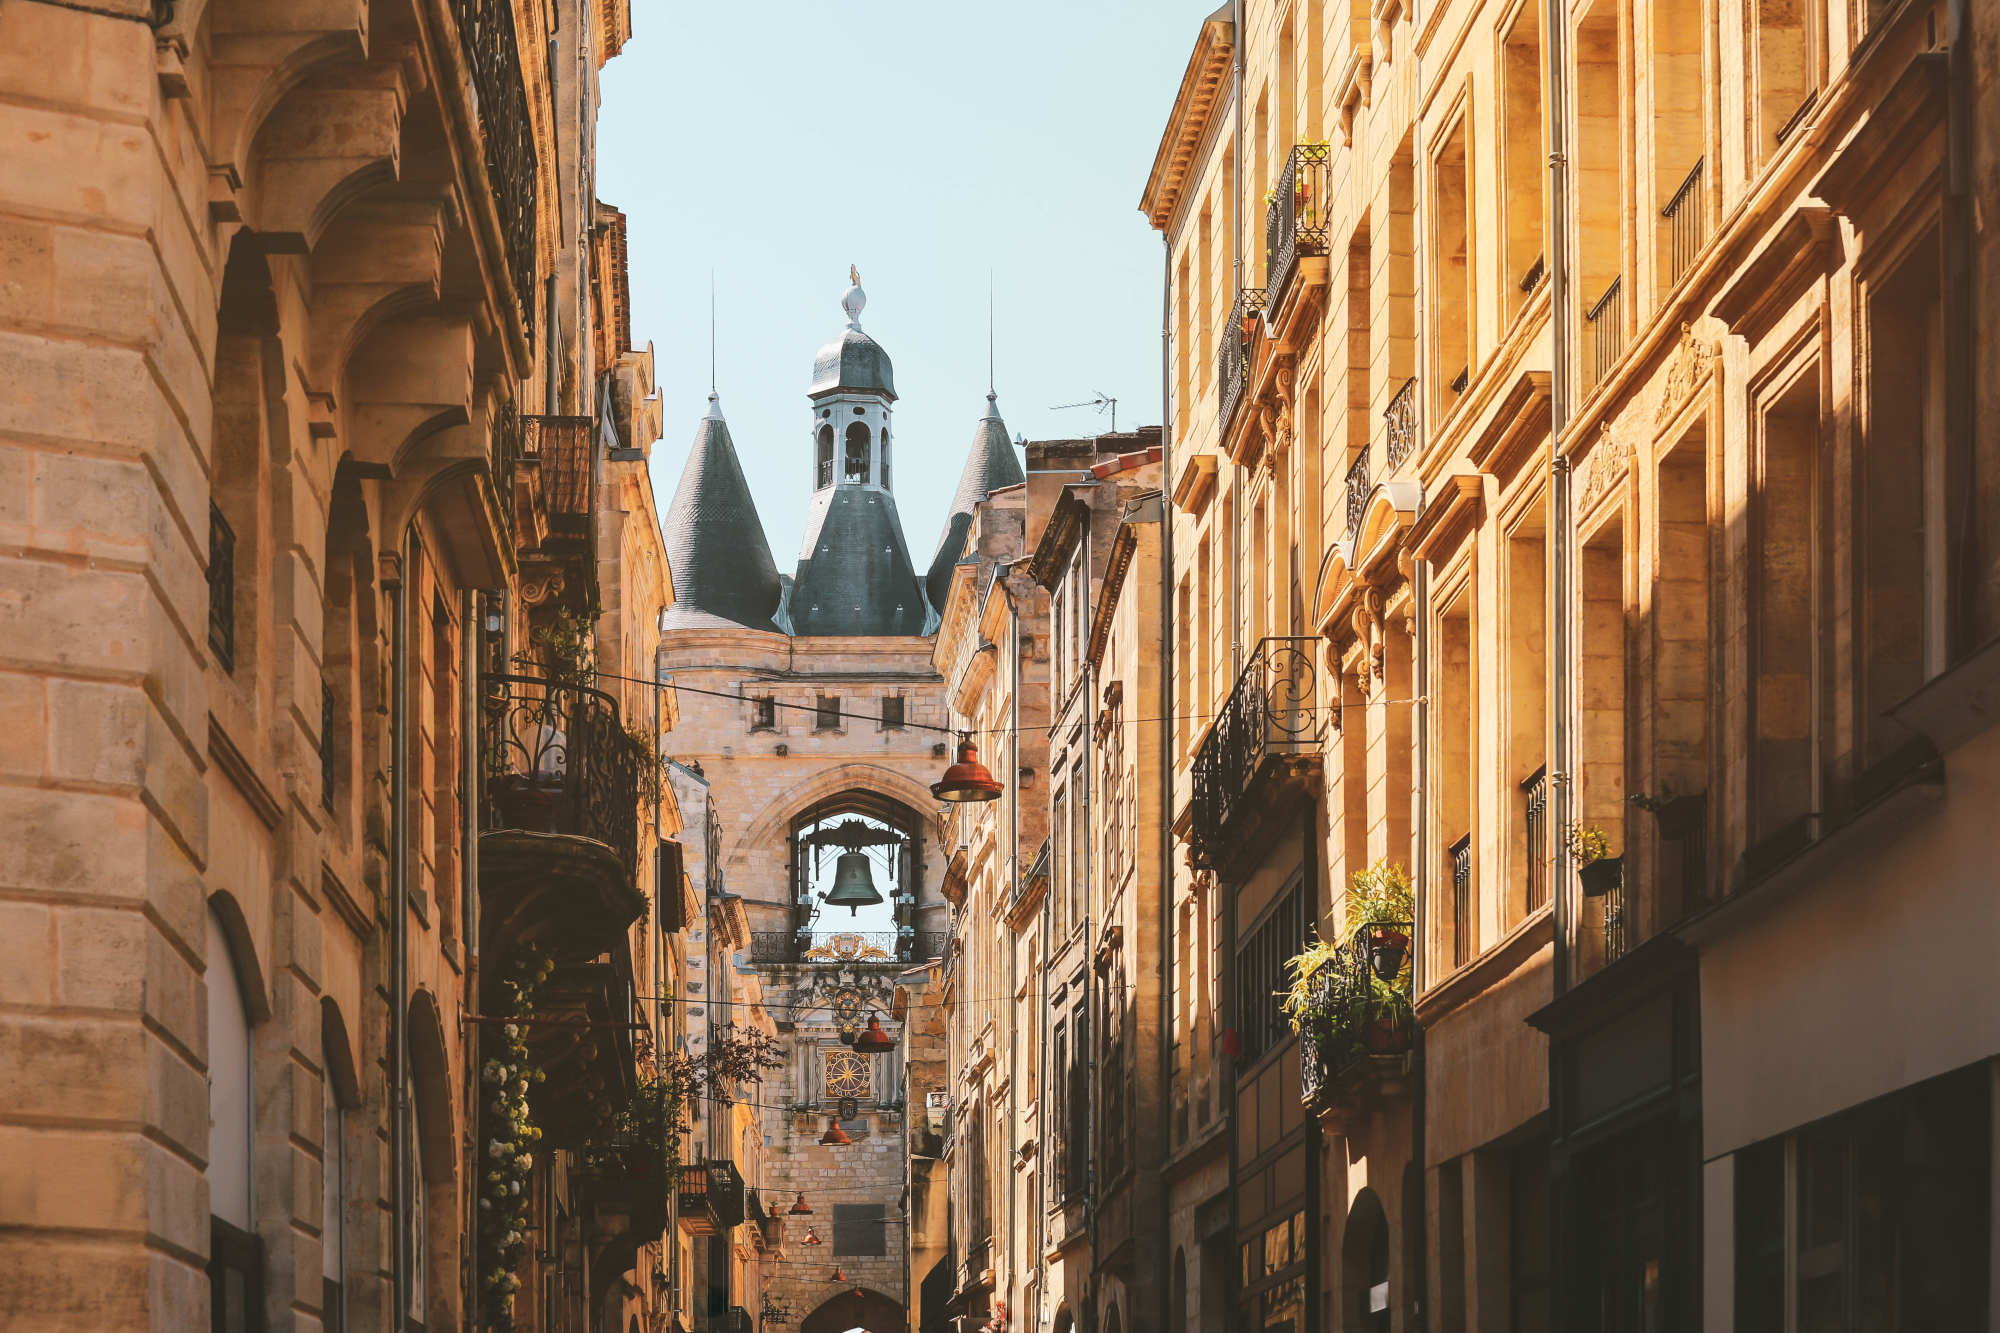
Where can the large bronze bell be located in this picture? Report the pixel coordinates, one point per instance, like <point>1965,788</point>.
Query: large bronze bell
<point>853,885</point>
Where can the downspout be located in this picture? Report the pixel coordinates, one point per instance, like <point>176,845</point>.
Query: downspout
<point>1226,971</point>
<point>1556,35</point>
<point>1166,695</point>
<point>1960,331</point>
<point>1236,243</point>
<point>1419,1089</point>
<point>1560,759</point>
<point>399,927</point>
<point>1014,837</point>
<point>472,784</point>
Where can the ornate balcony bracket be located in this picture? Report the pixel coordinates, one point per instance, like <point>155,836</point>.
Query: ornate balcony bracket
<point>1261,751</point>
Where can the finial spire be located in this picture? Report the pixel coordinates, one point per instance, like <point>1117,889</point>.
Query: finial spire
<point>855,298</point>
<point>711,335</point>
<point>989,336</point>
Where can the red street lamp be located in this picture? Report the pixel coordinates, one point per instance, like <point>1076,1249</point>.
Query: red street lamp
<point>799,1209</point>
<point>968,779</point>
<point>834,1133</point>
<point>812,1238</point>
<point>838,1276</point>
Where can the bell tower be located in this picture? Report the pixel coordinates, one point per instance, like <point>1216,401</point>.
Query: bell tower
<point>852,395</point>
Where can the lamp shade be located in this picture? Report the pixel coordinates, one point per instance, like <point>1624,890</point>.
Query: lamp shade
<point>968,779</point>
<point>800,1209</point>
<point>834,1133</point>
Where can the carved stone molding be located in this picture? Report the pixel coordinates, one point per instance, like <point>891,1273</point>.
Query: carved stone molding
<point>1692,359</point>
<point>1609,461</point>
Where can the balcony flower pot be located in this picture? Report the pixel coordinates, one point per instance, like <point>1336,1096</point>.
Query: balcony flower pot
<point>527,803</point>
<point>1682,815</point>
<point>1388,1035</point>
<point>1601,876</point>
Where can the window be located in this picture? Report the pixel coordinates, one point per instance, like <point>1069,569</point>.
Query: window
<point>1889,1206</point>
<point>826,713</point>
<point>236,1262</point>
<point>763,714</point>
<point>333,1211</point>
<point>1525,646</point>
<point>1059,868</point>
<point>892,711</point>
<point>329,763</point>
<point>221,588</point>
<point>1598,165</point>
<point>1260,972</point>
<point>823,459</point>
<point>1785,625</point>
<point>855,471</point>
<point>1076,1134</point>
<point>885,458</point>
<point>1523,159</point>
<point>860,1230</point>
<point>1452,309</point>
<point>1600,801</point>
<point>1456,779</point>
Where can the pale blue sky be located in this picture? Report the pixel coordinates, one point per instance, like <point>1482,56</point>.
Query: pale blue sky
<point>777,143</point>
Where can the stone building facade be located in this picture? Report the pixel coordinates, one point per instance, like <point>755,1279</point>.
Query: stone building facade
<point>1562,409</point>
<point>318,424</point>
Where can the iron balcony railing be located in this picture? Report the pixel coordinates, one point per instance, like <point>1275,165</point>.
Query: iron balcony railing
<point>1232,353</point>
<point>1296,221</point>
<point>850,946</point>
<point>506,461</point>
<point>221,588</point>
<point>1607,330</point>
<point>1617,924</point>
<point>1460,856</point>
<point>1354,1012</point>
<point>1685,225</point>
<point>1358,485</point>
<point>1401,418</point>
<point>1535,833</point>
<point>557,761</point>
<point>562,445</point>
<point>329,768</point>
<point>1272,711</point>
<point>500,101</point>
<point>711,1197</point>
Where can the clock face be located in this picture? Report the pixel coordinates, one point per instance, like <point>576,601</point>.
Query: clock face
<point>846,1075</point>
<point>847,1010</point>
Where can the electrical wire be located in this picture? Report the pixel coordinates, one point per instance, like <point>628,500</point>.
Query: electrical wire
<point>998,731</point>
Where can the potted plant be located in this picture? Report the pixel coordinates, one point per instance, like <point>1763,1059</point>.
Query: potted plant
<point>1679,814</point>
<point>1596,869</point>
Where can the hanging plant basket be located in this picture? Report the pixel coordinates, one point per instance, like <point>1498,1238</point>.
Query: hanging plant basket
<point>1601,876</point>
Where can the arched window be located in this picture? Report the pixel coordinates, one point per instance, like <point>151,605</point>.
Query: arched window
<point>333,1203</point>
<point>885,458</point>
<point>236,1257</point>
<point>823,459</point>
<point>417,1219</point>
<point>856,471</point>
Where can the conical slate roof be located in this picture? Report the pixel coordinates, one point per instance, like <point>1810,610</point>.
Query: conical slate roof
<point>990,466</point>
<point>854,574</point>
<point>722,566</point>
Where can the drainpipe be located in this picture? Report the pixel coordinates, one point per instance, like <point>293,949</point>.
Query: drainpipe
<point>1014,841</point>
<point>1419,1263</point>
<point>399,926</point>
<point>1556,34</point>
<point>1166,694</point>
<point>472,784</point>
<point>1960,329</point>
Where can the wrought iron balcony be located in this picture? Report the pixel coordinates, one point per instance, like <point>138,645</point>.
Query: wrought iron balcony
<point>625,1176</point>
<point>1296,220</point>
<point>1355,1014</point>
<point>1607,330</point>
<point>1233,353</point>
<point>500,101</point>
<point>1272,713</point>
<point>1535,834</point>
<point>1685,221</point>
<point>557,761</point>
<point>562,448</point>
<point>1358,485</point>
<point>711,1198</point>
<point>1401,418</point>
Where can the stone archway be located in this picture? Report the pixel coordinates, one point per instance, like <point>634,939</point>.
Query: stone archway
<point>856,1307</point>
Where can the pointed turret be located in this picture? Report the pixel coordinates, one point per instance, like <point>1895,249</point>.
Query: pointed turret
<point>990,466</point>
<point>722,566</point>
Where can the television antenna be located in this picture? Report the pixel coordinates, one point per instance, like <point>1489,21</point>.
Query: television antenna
<point>1101,403</point>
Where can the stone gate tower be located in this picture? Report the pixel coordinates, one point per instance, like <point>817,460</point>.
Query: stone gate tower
<point>815,736</point>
